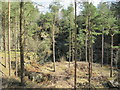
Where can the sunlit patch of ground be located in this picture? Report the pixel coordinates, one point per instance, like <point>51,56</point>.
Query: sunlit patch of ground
<point>63,77</point>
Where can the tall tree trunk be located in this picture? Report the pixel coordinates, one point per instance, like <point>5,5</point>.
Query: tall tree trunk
<point>90,53</point>
<point>86,50</point>
<point>80,56</point>
<point>5,44</point>
<point>53,39</point>
<point>111,65</point>
<point>72,43</point>
<point>107,51</point>
<point>16,45</point>
<point>21,42</point>
<point>9,39</point>
<point>86,40</point>
<point>75,48</point>
<point>102,48</point>
<point>91,56</point>
<point>69,47</point>
<point>4,32</point>
<point>117,59</point>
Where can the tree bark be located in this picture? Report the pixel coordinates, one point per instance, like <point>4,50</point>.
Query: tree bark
<point>75,48</point>
<point>86,41</point>
<point>4,32</point>
<point>9,39</point>
<point>111,65</point>
<point>16,45</point>
<point>72,45</point>
<point>69,47</point>
<point>80,57</point>
<point>91,56</point>
<point>102,48</point>
<point>53,39</point>
<point>86,50</point>
<point>90,52</point>
<point>21,42</point>
<point>117,59</point>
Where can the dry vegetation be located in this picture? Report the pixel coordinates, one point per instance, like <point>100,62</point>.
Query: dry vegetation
<point>42,76</point>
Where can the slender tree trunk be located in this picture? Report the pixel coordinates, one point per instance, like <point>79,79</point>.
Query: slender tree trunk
<point>108,56</point>
<point>111,65</point>
<point>21,43</point>
<point>69,47</point>
<point>72,43</point>
<point>3,27</point>
<point>102,48</point>
<point>80,57</point>
<point>53,39</point>
<point>75,48</point>
<point>117,58</point>
<point>73,56</point>
<point>90,53</point>
<point>16,45</point>
<point>5,44</point>
<point>4,31</point>
<point>86,50</point>
<point>86,40</point>
<point>9,39</point>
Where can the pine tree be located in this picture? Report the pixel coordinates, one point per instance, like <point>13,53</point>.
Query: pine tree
<point>55,10</point>
<point>103,12</point>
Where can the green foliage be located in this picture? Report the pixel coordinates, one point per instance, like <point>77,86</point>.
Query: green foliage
<point>44,51</point>
<point>66,30</point>
<point>38,26</point>
<point>88,10</point>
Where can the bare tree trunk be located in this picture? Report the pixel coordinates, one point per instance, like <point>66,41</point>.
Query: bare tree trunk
<point>3,27</point>
<point>111,65</point>
<point>69,47</point>
<point>117,59</point>
<point>53,39</point>
<point>4,32</point>
<point>16,45</point>
<point>86,50</point>
<point>9,39</point>
<point>102,48</point>
<point>21,43</point>
<point>80,57</point>
<point>107,55</point>
<point>90,53</point>
<point>86,40</point>
<point>72,43</point>
<point>5,44</point>
<point>75,48</point>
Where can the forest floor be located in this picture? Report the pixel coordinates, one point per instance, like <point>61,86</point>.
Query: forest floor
<point>43,76</point>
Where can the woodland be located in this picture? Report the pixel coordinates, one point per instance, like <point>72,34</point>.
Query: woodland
<point>77,47</point>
